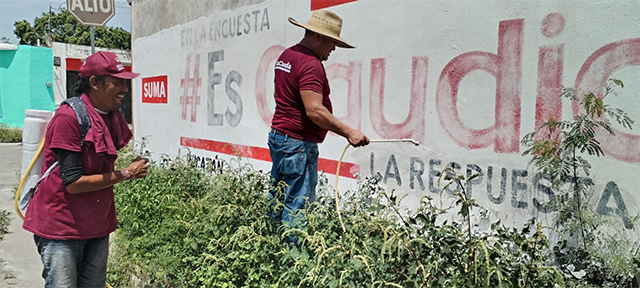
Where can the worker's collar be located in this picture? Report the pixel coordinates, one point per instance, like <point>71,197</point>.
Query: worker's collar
<point>101,112</point>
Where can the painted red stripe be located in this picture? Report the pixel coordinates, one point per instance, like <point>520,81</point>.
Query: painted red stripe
<point>320,4</point>
<point>260,153</point>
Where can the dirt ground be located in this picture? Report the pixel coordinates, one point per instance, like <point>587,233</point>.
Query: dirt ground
<point>20,265</point>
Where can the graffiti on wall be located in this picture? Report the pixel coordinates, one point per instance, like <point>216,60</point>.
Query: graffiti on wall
<point>190,84</point>
<point>505,66</point>
<point>216,92</point>
<point>250,22</point>
<point>500,185</point>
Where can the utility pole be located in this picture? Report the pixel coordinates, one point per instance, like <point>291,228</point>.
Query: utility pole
<point>93,40</point>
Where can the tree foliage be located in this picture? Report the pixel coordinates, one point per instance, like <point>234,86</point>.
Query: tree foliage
<point>558,147</point>
<point>561,149</point>
<point>66,28</point>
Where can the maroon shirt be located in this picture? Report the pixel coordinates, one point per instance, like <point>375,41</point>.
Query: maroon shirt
<point>296,70</point>
<point>54,213</point>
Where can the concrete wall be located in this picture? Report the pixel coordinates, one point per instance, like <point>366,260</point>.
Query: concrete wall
<point>467,79</point>
<point>26,82</point>
<point>166,14</point>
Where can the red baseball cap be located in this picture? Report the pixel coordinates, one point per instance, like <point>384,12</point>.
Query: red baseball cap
<point>105,63</point>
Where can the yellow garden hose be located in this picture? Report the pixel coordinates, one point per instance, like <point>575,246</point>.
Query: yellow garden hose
<point>336,188</point>
<point>414,142</point>
<point>24,179</point>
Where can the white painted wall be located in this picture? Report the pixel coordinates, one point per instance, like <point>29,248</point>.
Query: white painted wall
<point>64,51</point>
<point>507,60</point>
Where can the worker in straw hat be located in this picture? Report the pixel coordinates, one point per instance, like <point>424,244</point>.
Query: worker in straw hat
<point>303,115</point>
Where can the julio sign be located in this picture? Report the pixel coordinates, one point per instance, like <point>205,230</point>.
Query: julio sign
<point>92,12</point>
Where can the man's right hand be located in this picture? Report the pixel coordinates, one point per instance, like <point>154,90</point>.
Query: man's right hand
<point>138,168</point>
<point>357,139</point>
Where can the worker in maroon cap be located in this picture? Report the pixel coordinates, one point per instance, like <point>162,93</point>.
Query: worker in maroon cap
<point>73,211</point>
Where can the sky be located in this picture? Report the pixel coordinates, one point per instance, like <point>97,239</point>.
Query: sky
<point>17,10</point>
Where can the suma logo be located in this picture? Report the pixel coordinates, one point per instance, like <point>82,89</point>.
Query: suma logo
<point>154,89</point>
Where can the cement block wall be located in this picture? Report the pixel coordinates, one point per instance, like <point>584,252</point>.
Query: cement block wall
<point>467,79</point>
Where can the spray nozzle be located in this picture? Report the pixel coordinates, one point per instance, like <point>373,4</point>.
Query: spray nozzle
<point>414,142</point>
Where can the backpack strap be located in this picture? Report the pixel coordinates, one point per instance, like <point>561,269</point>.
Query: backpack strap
<point>46,173</point>
<point>85,123</point>
<point>81,113</point>
<point>26,197</point>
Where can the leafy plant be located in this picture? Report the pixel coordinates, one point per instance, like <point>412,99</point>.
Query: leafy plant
<point>559,148</point>
<point>495,253</point>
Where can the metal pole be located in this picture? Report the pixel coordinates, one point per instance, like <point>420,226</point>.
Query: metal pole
<point>93,42</point>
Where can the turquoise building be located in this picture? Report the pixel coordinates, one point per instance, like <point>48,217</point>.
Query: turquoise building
<point>26,82</point>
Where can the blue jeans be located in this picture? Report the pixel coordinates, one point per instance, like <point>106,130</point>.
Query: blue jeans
<point>295,162</point>
<point>73,263</point>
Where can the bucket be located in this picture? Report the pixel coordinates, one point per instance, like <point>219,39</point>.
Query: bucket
<point>35,125</point>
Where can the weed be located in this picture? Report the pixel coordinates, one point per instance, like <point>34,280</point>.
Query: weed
<point>9,134</point>
<point>5,219</point>
<point>181,227</point>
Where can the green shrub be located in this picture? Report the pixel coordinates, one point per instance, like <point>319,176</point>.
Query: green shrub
<point>180,227</point>
<point>9,134</point>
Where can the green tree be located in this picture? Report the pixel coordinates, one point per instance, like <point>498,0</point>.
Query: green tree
<point>66,28</point>
<point>561,149</point>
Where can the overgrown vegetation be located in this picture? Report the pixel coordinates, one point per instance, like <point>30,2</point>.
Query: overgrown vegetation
<point>596,251</point>
<point>180,227</point>
<point>9,134</point>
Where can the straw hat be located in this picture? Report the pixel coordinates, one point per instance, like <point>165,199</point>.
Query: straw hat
<point>325,23</point>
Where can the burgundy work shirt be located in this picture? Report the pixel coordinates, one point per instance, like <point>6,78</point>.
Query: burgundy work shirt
<point>53,212</point>
<point>296,70</point>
